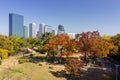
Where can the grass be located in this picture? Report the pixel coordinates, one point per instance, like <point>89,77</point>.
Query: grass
<point>31,71</point>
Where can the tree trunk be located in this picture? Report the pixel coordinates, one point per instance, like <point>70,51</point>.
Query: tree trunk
<point>0,60</point>
<point>85,59</point>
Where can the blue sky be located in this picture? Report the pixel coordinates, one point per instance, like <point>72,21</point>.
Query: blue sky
<point>76,15</point>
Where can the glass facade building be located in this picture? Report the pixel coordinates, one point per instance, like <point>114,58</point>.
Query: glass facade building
<point>16,25</point>
<point>61,29</point>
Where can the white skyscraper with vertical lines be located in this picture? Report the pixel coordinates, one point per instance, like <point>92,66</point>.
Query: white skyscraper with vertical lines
<point>43,28</point>
<point>32,30</point>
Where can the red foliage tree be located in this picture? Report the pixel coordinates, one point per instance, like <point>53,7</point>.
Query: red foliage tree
<point>72,67</point>
<point>61,43</point>
<point>87,43</point>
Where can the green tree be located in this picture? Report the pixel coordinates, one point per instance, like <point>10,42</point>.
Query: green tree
<point>46,37</point>
<point>33,42</point>
<point>18,42</point>
<point>116,39</point>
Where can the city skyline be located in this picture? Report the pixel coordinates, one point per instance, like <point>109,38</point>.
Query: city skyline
<point>76,15</point>
<point>16,26</point>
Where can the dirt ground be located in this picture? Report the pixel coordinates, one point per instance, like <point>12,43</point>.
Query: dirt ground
<point>12,70</point>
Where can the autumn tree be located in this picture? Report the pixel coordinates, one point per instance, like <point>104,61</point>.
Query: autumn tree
<point>51,48</point>
<point>112,48</point>
<point>72,67</point>
<point>65,43</point>
<point>5,43</point>
<point>106,37</point>
<point>92,44</point>
<point>105,48</point>
<point>87,43</point>
<point>3,53</point>
<point>61,45</point>
<point>116,41</point>
<point>6,47</point>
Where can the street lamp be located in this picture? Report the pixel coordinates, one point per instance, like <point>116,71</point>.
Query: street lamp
<point>117,66</point>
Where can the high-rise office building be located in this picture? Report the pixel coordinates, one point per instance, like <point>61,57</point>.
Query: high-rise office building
<point>25,32</point>
<point>16,25</point>
<point>32,30</point>
<point>71,35</point>
<point>61,29</point>
<point>54,32</point>
<point>37,35</point>
<point>47,28</point>
<point>41,30</point>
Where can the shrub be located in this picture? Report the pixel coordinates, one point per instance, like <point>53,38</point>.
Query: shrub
<point>22,61</point>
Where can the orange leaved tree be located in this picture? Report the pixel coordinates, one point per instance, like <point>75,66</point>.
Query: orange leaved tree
<point>61,45</point>
<point>72,67</point>
<point>87,43</point>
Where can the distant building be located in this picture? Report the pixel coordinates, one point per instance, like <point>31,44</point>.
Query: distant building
<point>37,35</point>
<point>71,35</point>
<point>47,28</point>
<point>61,29</point>
<point>77,36</point>
<point>54,32</point>
<point>26,32</point>
<point>43,29</point>
<point>16,25</point>
<point>32,30</point>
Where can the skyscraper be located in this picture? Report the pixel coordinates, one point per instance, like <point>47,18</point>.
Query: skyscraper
<point>71,35</point>
<point>25,32</point>
<point>61,29</point>
<point>47,28</point>
<point>16,23</point>
<point>32,30</point>
<point>41,30</point>
<point>54,32</point>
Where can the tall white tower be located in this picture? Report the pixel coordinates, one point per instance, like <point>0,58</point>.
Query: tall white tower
<point>32,30</point>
